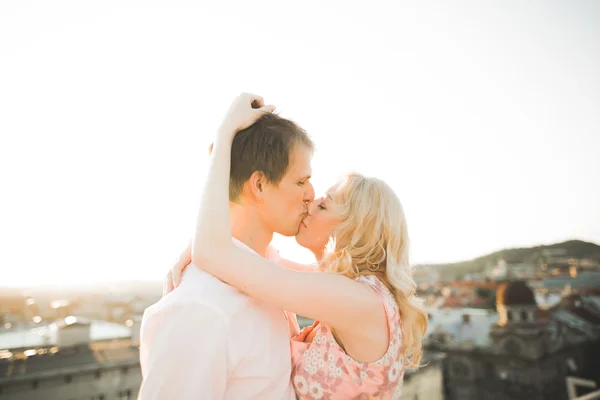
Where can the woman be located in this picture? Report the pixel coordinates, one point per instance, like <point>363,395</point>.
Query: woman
<point>369,325</point>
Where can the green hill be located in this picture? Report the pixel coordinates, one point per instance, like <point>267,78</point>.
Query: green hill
<point>571,249</point>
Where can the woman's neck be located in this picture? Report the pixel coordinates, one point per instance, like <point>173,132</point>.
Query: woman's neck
<point>318,254</point>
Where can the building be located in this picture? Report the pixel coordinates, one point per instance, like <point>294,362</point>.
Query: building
<point>426,383</point>
<point>530,352</point>
<point>462,326</point>
<point>73,360</point>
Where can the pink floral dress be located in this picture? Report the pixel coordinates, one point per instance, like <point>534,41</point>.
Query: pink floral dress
<point>322,370</point>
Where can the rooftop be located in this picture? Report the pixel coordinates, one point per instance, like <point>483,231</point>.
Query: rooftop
<point>45,336</point>
<point>45,362</point>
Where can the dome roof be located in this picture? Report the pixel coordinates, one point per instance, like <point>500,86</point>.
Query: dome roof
<point>515,293</point>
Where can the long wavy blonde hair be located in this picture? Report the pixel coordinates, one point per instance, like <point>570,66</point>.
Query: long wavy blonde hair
<point>372,239</point>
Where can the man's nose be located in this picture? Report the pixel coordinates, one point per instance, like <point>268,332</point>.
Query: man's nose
<point>309,194</point>
<point>307,207</point>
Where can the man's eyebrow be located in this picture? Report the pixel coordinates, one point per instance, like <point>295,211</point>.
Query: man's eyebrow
<point>305,178</point>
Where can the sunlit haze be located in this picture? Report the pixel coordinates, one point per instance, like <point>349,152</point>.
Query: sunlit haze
<point>483,117</point>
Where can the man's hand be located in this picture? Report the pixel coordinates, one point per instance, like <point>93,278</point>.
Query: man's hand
<point>245,110</point>
<point>173,278</point>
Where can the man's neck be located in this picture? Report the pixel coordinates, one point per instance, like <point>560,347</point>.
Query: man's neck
<point>248,229</point>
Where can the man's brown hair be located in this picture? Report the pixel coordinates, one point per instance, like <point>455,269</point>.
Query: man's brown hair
<point>266,146</point>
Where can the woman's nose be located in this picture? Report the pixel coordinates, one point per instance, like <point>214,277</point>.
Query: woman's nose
<point>310,207</point>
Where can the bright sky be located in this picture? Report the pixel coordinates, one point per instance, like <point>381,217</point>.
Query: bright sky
<point>483,117</point>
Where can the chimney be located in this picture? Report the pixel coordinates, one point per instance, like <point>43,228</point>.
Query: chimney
<point>136,324</point>
<point>73,332</point>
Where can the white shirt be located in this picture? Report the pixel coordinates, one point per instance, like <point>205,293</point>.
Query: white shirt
<point>206,340</point>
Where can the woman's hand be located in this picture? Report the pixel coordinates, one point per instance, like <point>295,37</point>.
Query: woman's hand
<point>173,278</point>
<point>245,110</point>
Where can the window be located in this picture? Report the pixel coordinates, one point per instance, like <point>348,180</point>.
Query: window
<point>98,397</point>
<point>512,347</point>
<point>460,369</point>
<point>35,384</point>
<point>124,395</point>
<point>509,315</point>
<point>68,378</point>
<point>524,316</point>
<point>462,393</point>
<point>124,370</point>
<point>98,374</point>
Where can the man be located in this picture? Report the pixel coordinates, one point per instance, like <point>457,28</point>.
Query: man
<point>206,340</point>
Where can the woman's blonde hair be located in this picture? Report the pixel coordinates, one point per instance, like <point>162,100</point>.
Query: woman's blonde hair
<point>372,239</point>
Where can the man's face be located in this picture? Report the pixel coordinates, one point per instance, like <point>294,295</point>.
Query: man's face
<point>285,205</point>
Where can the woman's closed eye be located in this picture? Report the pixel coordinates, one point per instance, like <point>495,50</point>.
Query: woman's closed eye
<point>322,205</point>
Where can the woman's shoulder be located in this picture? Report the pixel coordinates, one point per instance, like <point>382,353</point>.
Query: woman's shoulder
<point>383,291</point>
<point>376,283</point>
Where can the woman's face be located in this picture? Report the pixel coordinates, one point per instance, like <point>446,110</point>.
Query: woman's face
<point>318,226</point>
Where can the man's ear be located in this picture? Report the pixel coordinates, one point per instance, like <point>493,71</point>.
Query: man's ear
<point>256,184</point>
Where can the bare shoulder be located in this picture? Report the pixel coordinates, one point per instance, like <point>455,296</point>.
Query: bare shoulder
<point>368,340</point>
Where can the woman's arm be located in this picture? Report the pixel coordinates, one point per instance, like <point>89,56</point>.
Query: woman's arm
<point>294,266</point>
<point>338,301</point>
<point>213,228</point>
<point>173,278</point>
<point>273,255</point>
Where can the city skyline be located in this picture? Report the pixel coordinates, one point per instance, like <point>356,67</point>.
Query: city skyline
<point>483,120</point>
